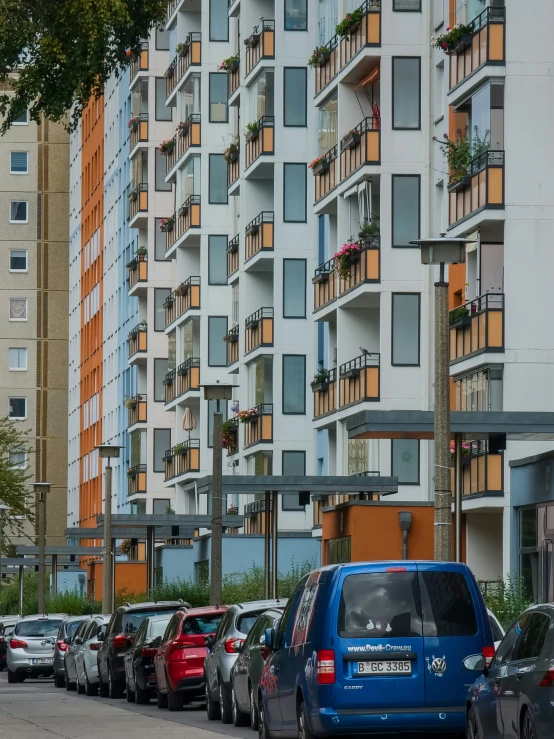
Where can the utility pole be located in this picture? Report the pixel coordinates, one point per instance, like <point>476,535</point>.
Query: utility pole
<point>107,451</point>
<point>216,564</point>
<point>41,489</point>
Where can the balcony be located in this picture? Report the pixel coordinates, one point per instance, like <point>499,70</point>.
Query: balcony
<point>190,55</point>
<point>233,171</point>
<point>188,134</point>
<point>139,64</point>
<point>184,378</point>
<point>255,518</point>
<point>482,187</point>
<point>259,235</point>
<point>187,217</point>
<point>232,340</point>
<point>139,132</point>
<point>325,285</point>
<point>258,330</point>
<point>482,472</point>
<point>137,340</point>
<point>326,174</point>
<point>260,45</point>
<point>366,266</point>
<point>260,141</point>
<point>484,45</point>
<point>233,76</point>
<point>136,410</point>
<point>359,380</point>
<point>182,459</point>
<point>138,274</point>
<point>259,430</point>
<point>328,67</point>
<point>138,204</point>
<point>184,298</point>
<point>325,394</point>
<point>136,480</point>
<point>368,33</point>
<point>477,327</point>
<point>233,256</point>
<point>231,436</point>
<point>360,146</point>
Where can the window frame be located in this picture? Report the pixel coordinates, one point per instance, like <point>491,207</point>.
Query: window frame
<point>19,271</point>
<point>18,369</point>
<point>305,169</point>
<point>18,397</point>
<point>20,320</point>
<point>158,157</point>
<point>396,364</point>
<point>283,411</point>
<point>226,331</point>
<point>218,236</point>
<point>158,359</point>
<point>154,449</point>
<point>393,178</point>
<point>157,230</point>
<point>217,202</point>
<point>404,128</point>
<point>418,462</point>
<point>295,125</point>
<point>216,40</point>
<point>155,106</point>
<point>22,123</point>
<point>217,74</point>
<point>160,48</point>
<point>405,10</point>
<point>156,291</point>
<point>14,151</point>
<point>26,212</point>
<point>296,318</point>
<point>295,30</point>
<point>21,466</point>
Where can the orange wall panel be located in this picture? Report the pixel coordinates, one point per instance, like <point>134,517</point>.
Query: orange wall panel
<point>129,577</point>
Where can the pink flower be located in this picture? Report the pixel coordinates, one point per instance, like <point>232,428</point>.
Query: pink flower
<point>444,46</point>
<point>128,52</point>
<point>448,29</point>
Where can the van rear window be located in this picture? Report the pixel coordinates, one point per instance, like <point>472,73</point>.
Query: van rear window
<point>447,604</point>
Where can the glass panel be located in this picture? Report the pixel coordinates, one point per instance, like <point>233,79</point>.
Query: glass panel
<point>212,408</point>
<point>218,179</point>
<point>358,456</point>
<point>191,96</point>
<point>328,136</point>
<point>18,162</point>
<point>217,348</point>
<point>18,359</point>
<point>296,15</point>
<point>294,287</point>
<point>163,113</point>
<point>219,20</point>
<point>295,96</point>
<point>294,463</point>
<point>406,92</point>
<point>405,329</point>
<point>405,209</point>
<point>447,605</point>
<point>18,260</point>
<point>160,171</point>
<point>187,341</point>
<point>217,260</point>
<point>159,244</point>
<point>160,295</point>
<point>162,39</point>
<point>18,210</point>
<point>138,447</point>
<point>405,461</point>
<point>160,370</point>
<point>171,350</point>
<point>235,295</point>
<point>407,5</point>
<point>528,527</point>
<point>506,647</point>
<point>294,384</point>
<point>262,99</point>
<point>162,442</point>
<point>532,641</point>
<point>294,195</point>
<point>191,177</point>
<point>18,407</point>
<point>218,97</point>
<point>160,505</point>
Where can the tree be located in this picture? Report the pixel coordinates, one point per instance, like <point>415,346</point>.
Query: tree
<point>57,54</point>
<point>14,490</point>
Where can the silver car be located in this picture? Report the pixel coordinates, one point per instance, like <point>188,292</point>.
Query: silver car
<point>222,653</point>
<point>68,627</point>
<point>30,651</point>
<point>86,657</point>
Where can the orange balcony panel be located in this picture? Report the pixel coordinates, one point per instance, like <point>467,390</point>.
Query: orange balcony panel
<point>482,472</point>
<point>139,132</point>
<point>189,215</point>
<point>137,340</point>
<point>140,62</point>
<point>188,134</point>
<point>261,44</point>
<point>326,174</point>
<point>361,147</point>
<point>325,285</point>
<point>182,459</point>
<point>262,141</point>
<point>189,56</point>
<point>367,34</point>
<point>481,330</point>
<point>359,380</point>
<point>486,45</point>
<point>136,479</point>
<point>259,235</point>
<point>482,187</point>
<point>258,330</point>
<point>184,298</point>
<point>136,410</point>
<point>260,429</point>
<point>139,202</point>
<point>138,272</point>
<point>367,266</point>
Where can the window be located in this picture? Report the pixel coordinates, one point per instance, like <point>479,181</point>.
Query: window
<point>532,641</point>
<point>294,193</point>
<point>19,162</point>
<point>405,329</point>
<point>413,6</point>
<point>294,384</point>
<point>18,309</point>
<point>446,605</point>
<point>18,359</point>
<point>296,15</point>
<point>438,13</point>
<point>163,112</point>
<point>160,371</point>
<point>162,442</point>
<point>217,260</point>
<point>294,463</point>
<point>161,505</point>
<point>406,92</point>
<point>218,180</point>
<point>212,408</point>
<point>18,260</point>
<point>162,40</point>
<point>18,459</point>
<point>217,348</point>
<point>405,209</point>
<point>218,97</point>
<point>160,163</point>
<point>294,288</point>
<point>18,408</point>
<point>506,647</point>
<point>18,211</point>
<point>22,120</point>
<point>202,573</point>
<point>295,96</point>
<point>160,295</point>
<point>159,245</point>
<point>439,96</point>
<point>219,20</point>
<point>328,125</point>
<point>405,461</point>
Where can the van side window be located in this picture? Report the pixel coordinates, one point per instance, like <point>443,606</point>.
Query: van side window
<point>285,622</point>
<point>447,604</point>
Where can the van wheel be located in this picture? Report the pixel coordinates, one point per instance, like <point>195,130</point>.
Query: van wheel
<point>212,708</point>
<point>303,728</point>
<point>59,681</point>
<point>239,718</point>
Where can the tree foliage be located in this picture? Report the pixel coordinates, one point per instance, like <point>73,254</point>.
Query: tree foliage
<point>63,51</point>
<point>14,489</point>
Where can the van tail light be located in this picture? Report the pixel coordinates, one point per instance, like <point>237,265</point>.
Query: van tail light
<point>488,654</point>
<point>148,651</point>
<point>94,646</point>
<point>18,644</point>
<point>326,674</point>
<point>233,646</point>
<point>176,645</point>
<point>120,641</point>
<point>62,646</point>
<point>548,679</point>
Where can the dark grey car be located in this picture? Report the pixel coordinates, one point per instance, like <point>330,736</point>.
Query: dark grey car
<point>247,670</point>
<point>65,635</point>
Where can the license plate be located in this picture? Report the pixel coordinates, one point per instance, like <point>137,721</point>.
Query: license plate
<point>385,667</point>
<point>42,661</point>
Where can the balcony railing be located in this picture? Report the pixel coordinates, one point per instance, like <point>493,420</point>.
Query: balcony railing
<point>258,330</point>
<point>326,174</point>
<point>182,458</point>
<point>234,76</point>
<point>184,298</point>
<point>171,8</point>
<point>260,44</point>
<point>359,380</point>
<point>232,340</point>
<point>367,34</point>
<point>477,327</point>
<point>325,395</point>
<point>366,266</point>
<point>136,410</point>
<point>188,134</point>
<point>181,380</point>
<point>187,217</point>
<point>261,141</point>
<point>325,285</point>
<point>233,169</point>
<point>137,339</point>
<point>231,443</point>
<point>139,63</point>
<point>482,187</point>
<point>361,146</point>
<point>233,256</point>
<point>486,44</point>
<point>482,471</point>
<point>136,479</point>
<point>260,429</point>
<point>138,202</point>
<point>139,131</point>
<point>259,235</point>
<point>190,56</point>
<point>329,66</point>
<point>138,271</point>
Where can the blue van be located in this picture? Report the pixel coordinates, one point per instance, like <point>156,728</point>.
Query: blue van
<point>374,647</point>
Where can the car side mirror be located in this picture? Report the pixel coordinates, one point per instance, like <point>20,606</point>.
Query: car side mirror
<point>475,663</point>
<point>209,641</point>
<point>101,636</point>
<point>269,638</point>
<point>129,642</point>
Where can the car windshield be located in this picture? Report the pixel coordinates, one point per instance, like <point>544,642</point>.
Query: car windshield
<point>202,624</point>
<point>131,621</point>
<point>40,627</point>
<point>245,623</point>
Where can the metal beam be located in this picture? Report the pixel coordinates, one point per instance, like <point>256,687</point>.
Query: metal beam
<point>78,551</point>
<point>293,484</point>
<point>165,520</point>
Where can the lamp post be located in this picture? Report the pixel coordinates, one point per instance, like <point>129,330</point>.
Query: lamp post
<point>218,393</point>
<point>41,489</point>
<point>3,512</point>
<point>440,251</point>
<point>108,452</point>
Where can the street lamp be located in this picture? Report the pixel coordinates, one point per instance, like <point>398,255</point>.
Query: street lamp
<point>41,489</point>
<point>217,392</point>
<point>440,251</point>
<point>3,512</point>
<point>108,451</point>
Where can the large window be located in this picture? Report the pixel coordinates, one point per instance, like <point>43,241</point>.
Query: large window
<point>217,260</point>
<point>160,371</point>
<point>294,193</point>
<point>295,96</point>
<point>162,442</point>
<point>17,359</point>
<point>162,39</point>
<point>19,163</point>
<point>294,288</point>
<point>406,92</point>
<point>296,15</point>
<point>160,295</point>
<point>218,180</point>
<point>160,506</point>
<point>19,211</point>
<point>262,95</point>
<point>219,20</point>
<point>217,348</point>
<point>17,408</point>
<point>405,461</point>
<point>22,119</point>
<point>294,384</point>
<point>294,463</point>
<point>405,329</point>
<point>405,209</point>
<point>163,112</point>
<point>160,168</point>
<point>18,260</point>
<point>212,408</point>
<point>218,97</point>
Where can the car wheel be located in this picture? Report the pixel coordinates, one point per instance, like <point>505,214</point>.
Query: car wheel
<point>253,711</point>
<point>59,681</point>
<point>129,694</point>
<point>12,677</point>
<point>114,689</point>
<point>239,718</point>
<point>225,704</point>
<point>80,687</point>
<point>69,685</point>
<point>472,727</point>
<point>175,701</point>
<point>263,731</point>
<point>212,708</point>
<point>103,689</point>
<point>21,678</point>
<point>142,697</point>
<point>303,728</point>
<point>528,727</point>
<point>90,688</point>
<point>162,700</point>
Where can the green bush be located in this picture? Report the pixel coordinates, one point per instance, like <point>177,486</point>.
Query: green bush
<point>508,599</point>
<point>71,603</point>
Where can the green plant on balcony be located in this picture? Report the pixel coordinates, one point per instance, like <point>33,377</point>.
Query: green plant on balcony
<point>370,227</point>
<point>132,472</point>
<point>141,253</point>
<point>132,264</point>
<point>345,259</point>
<point>130,402</point>
<point>466,449</point>
<point>142,326</point>
<point>229,433</point>
<point>252,130</point>
<point>461,151</point>
<point>452,37</point>
<point>181,448</point>
<point>169,511</point>
<point>133,123</point>
<point>229,65</point>
<point>133,194</point>
<point>166,147</point>
<point>319,56</point>
<point>321,377</point>
<point>181,48</point>
<point>251,414</point>
<point>457,314</point>
<point>166,224</point>
<point>126,546</point>
<point>350,23</point>
<point>233,510</point>
<point>231,153</point>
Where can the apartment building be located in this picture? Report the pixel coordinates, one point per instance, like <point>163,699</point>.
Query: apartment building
<point>34,184</point>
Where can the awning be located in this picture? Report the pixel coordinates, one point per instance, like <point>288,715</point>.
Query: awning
<point>370,79</point>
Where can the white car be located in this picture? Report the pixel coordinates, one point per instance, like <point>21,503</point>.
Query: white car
<point>86,664</point>
<point>497,630</point>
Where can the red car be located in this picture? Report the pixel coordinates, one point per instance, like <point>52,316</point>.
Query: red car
<point>179,660</point>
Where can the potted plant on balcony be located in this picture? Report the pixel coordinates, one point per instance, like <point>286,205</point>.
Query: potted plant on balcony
<point>132,264</point>
<point>319,165</point>
<point>169,511</point>
<point>168,302</point>
<point>459,317</point>
<point>320,383</point>
<point>460,35</point>
<point>166,147</point>
<point>142,251</point>
<point>231,153</point>
<point>351,139</point>
<point>126,546</point>
<point>231,338</point>
<point>132,472</point>
<point>182,289</point>
<point>319,56</point>
<point>130,403</point>
<point>350,23</point>
<point>460,152</point>
<point>166,224</point>
<point>183,127</point>
<point>248,416</point>
<point>231,64</point>
<point>253,39</point>
<point>132,195</point>
<point>233,510</point>
<point>181,448</point>
<point>252,130</point>
<point>345,258</point>
<point>142,326</point>
<point>133,123</point>
<point>369,230</point>
<point>182,48</point>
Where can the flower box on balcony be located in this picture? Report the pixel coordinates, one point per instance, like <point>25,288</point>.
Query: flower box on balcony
<point>253,228</point>
<point>321,387</point>
<point>464,181</point>
<point>460,322</point>
<point>231,338</point>
<point>351,140</point>
<point>320,168</point>
<point>252,40</point>
<point>182,371</point>
<point>320,277</point>
<point>233,66</point>
<point>252,134</point>
<point>234,156</point>
<point>183,128</point>
<point>180,448</point>
<point>182,289</point>
<point>233,247</point>
<point>350,373</point>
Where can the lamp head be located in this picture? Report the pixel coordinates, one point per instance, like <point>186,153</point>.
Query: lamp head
<point>108,451</point>
<point>405,520</point>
